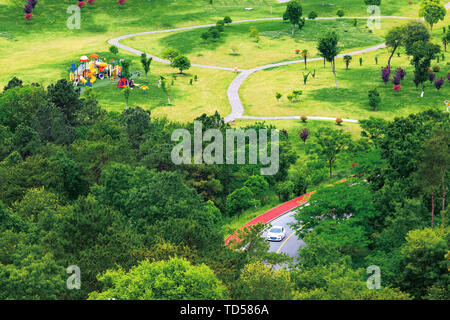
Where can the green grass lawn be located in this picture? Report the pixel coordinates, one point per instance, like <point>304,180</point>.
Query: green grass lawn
<point>235,47</point>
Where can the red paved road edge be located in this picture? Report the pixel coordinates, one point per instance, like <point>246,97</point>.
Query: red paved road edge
<point>275,213</point>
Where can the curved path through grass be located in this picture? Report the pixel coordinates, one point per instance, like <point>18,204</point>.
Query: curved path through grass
<point>233,89</point>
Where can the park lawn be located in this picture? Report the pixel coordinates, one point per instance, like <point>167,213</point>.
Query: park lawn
<point>235,47</point>
<point>206,95</point>
<point>321,98</point>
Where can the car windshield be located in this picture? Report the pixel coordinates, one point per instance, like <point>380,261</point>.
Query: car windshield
<point>275,230</point>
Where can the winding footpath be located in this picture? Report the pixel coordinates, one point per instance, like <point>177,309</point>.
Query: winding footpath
<point>233,89</point>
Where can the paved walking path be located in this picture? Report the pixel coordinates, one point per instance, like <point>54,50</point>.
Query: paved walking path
<point>233,89</point>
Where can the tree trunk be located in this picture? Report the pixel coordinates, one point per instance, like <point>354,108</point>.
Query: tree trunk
<point>324,62</point>
<point>432,208</point>
<point>334,71</point>
<point>305,62</point>
<point>390,57</point>
<point>293,29</point>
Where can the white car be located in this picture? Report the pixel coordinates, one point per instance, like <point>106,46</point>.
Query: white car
<point>276,233</point>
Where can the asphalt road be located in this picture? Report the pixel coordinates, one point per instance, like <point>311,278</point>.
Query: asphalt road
<point>291,243</point>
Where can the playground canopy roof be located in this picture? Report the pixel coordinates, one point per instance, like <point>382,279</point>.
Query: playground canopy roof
<point>93,56</point>
<point>84,58</point>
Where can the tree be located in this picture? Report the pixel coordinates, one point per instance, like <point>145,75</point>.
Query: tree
<point>175,279</point>
<point>166,87</point>
<point>259,186</point>
<point>374,99</point>
<point>65,97</point>
<point>125,69</point>
<point>432,11</point>
<point>137,123</point>
<point>446,39</point>
<point>254,33</point>
<point>305,55</point>
<point>423,261</point>
<point>312,15</point>
<point>284,190</point>
<point>170,53</point>
<point>393,40</point>
<point>181,63</point>
<point>422,54</point>
<point>434,160</point>
<point>372,2</point>
<point>14,82</point>
<point>278,96</point>
<point>304,135</point>
<point>331,143</point>
<point>126,93</point>
<point>259,282</point>
<point>239,200</point>
<point>227,20</point>
<point>220,25</point>
<point>340,13</point>
<point>146,64</point>
<point>415,31</point>
<point>114,50</point>
<point>328,47</point>
<point>347,60</point>
<point>293,13</point>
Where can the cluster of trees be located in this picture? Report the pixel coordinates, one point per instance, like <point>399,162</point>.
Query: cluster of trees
<point>177,60</point>
<point>387,219</point>
<point>214,33</point>
<point>81,186</point>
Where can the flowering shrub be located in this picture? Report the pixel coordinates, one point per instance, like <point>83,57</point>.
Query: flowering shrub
<point>397,87</point>
<point>29,8</point>
<point>401,73</point>
<point>397,79</point>
<point>339,121</point>
<point>304,118</point>
<point>436,68</point>
<point>81,4</point>
<point>385,73</point>
<point>297,51</point>
<point>431,77</point>
<point>439,83</point>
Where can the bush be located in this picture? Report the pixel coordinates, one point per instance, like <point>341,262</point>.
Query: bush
<point>439,83</point>
<point>374,99</point>
<point>304,118</point>
<point>220,25</point>
<point>227,20</point>
<point>312,15</point>
<point>340,13</point>
<point>436,68</point>
<point>339,121</point>
<point>114,50</point>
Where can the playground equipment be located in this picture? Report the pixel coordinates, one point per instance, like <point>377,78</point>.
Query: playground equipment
<point>94,67</point>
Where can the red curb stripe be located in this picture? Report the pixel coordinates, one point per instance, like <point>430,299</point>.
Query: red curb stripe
<point>276,212</point>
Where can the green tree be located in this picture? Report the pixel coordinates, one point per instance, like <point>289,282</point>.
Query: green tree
<point>259,186</point>
<point>239,200</point>
<point>175,279</point>
<point>126,94</point>
<point>424,264</point>
<point>374,98</point>
<point>114,50</point>
<point>66,98</point>
<point>393,40</point>
<point>422,54</point>
<point>146,64</point>
<point>432,11</point>
<point>284,190</point>
<point>170,54</point>
<point>259,282</point>
<point>347,60</point>
<point>330,144</point>
<point>14,82</point>
<point>415,31</point>
<point>293,13</point>
<point>328,47</point>
<point>181,63</point>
